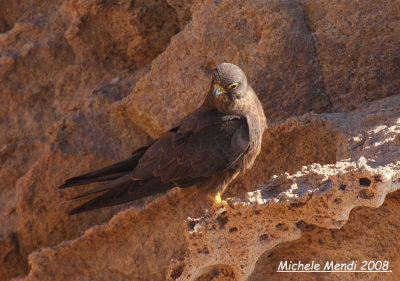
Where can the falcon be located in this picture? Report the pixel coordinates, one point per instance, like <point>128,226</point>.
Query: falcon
<point>209,148</point>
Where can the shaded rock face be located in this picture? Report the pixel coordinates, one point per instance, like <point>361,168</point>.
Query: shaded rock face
<point>270,40</point>
<point>349,35</point>
<point>241,240</point>
<point>83,83</point>
<point>365,236</point>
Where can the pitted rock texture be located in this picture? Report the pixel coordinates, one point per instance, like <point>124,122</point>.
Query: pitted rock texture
<point>230,243</point>
<point>85,82</point>
<point>364,237</point>
<point>237,236</point>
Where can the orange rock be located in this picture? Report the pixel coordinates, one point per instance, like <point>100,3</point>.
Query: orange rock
<point>83,83</point>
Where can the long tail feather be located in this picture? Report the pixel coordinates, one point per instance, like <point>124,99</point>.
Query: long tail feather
<point>124,192</point>
<point>105,187</point>
<point>108,173</point>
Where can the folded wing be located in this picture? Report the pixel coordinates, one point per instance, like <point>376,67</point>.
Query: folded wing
<point>199,148</point>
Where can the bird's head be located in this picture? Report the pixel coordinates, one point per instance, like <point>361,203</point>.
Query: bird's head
<point>229,88</point>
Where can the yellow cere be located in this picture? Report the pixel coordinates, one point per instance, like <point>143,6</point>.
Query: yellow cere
<point>219,87</point>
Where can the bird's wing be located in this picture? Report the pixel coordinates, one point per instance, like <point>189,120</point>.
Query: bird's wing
<point>198,148</point>
<point>108,173</point>
<point>124,191</point>
<point>202,146</point>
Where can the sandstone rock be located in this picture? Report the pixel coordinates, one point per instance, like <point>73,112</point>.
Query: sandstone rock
<point>349,36</point>
<point>368,235</point>
<point>83,83</point>
<point>270,40</point>
<point>230,242</point>
<point>320,195</point>
<point>58,80</point>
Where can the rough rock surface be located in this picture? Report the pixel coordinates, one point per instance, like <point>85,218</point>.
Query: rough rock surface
<point>235,237</point>
<point>84,82</point>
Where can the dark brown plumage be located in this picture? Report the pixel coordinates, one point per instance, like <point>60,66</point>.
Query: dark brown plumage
<point>208,148</point>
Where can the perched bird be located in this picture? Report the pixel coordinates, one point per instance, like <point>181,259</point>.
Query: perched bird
<point>208,148</point>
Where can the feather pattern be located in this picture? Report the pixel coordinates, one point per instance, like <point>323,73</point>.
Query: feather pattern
<point>208,148</point>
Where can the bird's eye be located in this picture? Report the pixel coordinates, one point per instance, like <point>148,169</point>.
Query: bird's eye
<point>233,86</point>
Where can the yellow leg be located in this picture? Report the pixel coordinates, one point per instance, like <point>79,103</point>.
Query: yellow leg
<point>218,203</point>
<point>217,198</point>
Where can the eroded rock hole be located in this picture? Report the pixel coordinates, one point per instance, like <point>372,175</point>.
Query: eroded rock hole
<point>218,272</point>
<point>297,205</point>
<point>365,182</point>
<point>191,223</point>
<point>203,251</point>
<point>177,271</point>
<point>366,194</point>
<point>377,178</point>
<point>233,229</point>
<point>338,201</point>
<point>300,224</point>
<point>281,227</point>
<point>223,219</point>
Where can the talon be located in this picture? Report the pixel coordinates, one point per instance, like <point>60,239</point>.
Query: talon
<point>217,198</point>
<point>218,203</point>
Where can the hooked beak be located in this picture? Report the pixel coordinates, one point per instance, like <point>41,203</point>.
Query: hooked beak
<point>218,89</point>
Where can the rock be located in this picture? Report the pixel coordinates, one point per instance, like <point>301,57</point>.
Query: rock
<point>231,241</point>
<point>372,228</point>
<point>269,40</point>
<point>83,83</point>
<point>234,239</point>
<point>349,36</point>
<point>57,85</point>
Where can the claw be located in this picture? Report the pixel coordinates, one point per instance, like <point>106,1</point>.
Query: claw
<point>217,198</point>
<point>218,203</point>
